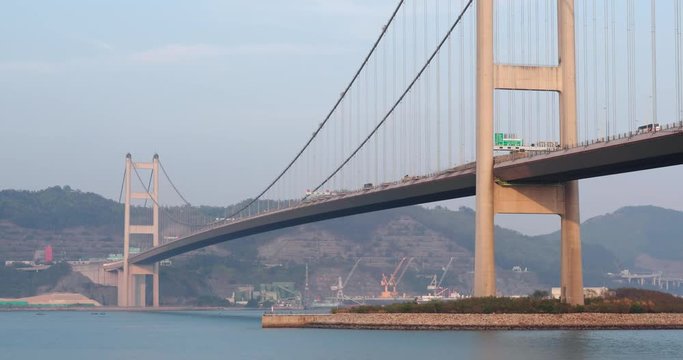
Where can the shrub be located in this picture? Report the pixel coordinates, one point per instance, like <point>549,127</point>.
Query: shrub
<point>623,301</point>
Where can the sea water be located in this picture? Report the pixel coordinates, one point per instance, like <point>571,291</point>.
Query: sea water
<point>235,334</point>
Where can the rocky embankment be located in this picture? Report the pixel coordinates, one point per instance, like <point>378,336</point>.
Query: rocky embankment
<point>592,321</point>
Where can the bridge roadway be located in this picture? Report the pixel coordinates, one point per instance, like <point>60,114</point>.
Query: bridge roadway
<point>627,154</point>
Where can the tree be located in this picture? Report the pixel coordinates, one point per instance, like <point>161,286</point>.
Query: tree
<point>539,295</point>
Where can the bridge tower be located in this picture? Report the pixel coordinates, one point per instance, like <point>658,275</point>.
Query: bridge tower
<point>132,279</point>
<point>495,195</point>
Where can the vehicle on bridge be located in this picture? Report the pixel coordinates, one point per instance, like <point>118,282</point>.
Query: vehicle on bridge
<point>509,142</point>
<point>408,178</point>
<point>649,127</point>
<point>312,196</point>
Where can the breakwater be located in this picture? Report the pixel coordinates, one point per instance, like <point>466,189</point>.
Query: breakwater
<point>580,321</point>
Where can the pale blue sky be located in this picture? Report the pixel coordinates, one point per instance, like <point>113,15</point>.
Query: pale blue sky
<point>224,91</point>
<point>206,84</point>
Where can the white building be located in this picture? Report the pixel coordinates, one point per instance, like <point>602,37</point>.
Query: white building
<point>588,292</point>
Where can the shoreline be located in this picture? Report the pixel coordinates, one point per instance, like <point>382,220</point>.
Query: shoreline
<point>104,309</point>
<point>416,321</point>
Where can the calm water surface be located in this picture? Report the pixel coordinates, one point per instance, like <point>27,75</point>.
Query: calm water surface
<point>238,335</point>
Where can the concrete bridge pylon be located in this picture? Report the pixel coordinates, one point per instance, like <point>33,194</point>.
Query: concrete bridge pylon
<point>132,279</point>
<point>495,195</point>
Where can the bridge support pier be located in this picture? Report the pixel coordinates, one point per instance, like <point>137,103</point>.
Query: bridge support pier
<point>132,279</point>
<point>132,289</point>
<point>139,293</point>
<point>495,195</point>
<point>571,272</point>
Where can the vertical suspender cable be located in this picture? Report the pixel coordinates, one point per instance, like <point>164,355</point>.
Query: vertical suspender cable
<point>595,70</point>
<point>416,96</point>
<point>461,96</point>
<point>524,59</point>
<point>679,95</point>
<point>607,69</point>
<point>614,69</point>
<point>337,146</point>
<point>342,129</point>
<point>376,140</point>
<point>530,59</point>
<point>449,105</point>
<point>654,62</point>
<point>418,111</point>
<point>470,126</point>
<point>394,124</point>
<point>630,63</point>
<point>438,91</point>
<point>555,119</point>
<point>360,106</point>
<point>404,141</point>
<point>349,170</point>
<point>551,55</point>
<point>530,47</point>
<point>496,60</point>
<point>584,84</point>
<point>384,106</point>
<point>427,144</point>
<point>533,50</point>
<point>511,49</point>
<point>537,46</point>
<point>367,123</point>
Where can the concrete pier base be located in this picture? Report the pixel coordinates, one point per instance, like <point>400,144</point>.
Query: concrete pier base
<point>398,321</point>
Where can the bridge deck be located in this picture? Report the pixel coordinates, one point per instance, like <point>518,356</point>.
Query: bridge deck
<point>634,153</point>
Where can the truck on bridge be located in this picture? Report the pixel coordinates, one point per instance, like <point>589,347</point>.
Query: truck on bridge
<point>509,142</point>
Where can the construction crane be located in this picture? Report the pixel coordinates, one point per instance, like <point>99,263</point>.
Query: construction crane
<point>294,295</point>
<point>306,295</point>
<point>403,272</point>
<point>436,286</point>
<point>391,281</point>
<point>339,288</point>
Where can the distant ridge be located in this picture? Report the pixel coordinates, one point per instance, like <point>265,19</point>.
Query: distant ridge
<point>85,225</point>
<point>58,208</point>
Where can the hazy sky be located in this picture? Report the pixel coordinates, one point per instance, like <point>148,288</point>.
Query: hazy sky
<point>224,91</point>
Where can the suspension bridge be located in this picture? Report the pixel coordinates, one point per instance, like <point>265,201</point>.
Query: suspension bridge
<point>513,101</point>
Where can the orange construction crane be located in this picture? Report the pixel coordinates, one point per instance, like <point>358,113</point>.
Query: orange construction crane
<point>391,282</point>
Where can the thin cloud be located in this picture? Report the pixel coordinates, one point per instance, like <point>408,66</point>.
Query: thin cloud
<point>175,53</point>
<point>91,42</point>
<point>285,49</point>
<point>342,7</point>
<point>180,53</point>
<point>35,67</point>
<point>102,45</point>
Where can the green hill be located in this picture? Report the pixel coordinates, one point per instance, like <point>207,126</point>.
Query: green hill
<point>82,225</point>
<point>59,208</point>
<point>634,230</point>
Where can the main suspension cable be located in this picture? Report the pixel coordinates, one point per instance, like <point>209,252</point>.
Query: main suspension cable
<point>329,115</point>
<point>176,220</point>
<point>398,101</point>
<point>172,184</point>
<point>123,182</point>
